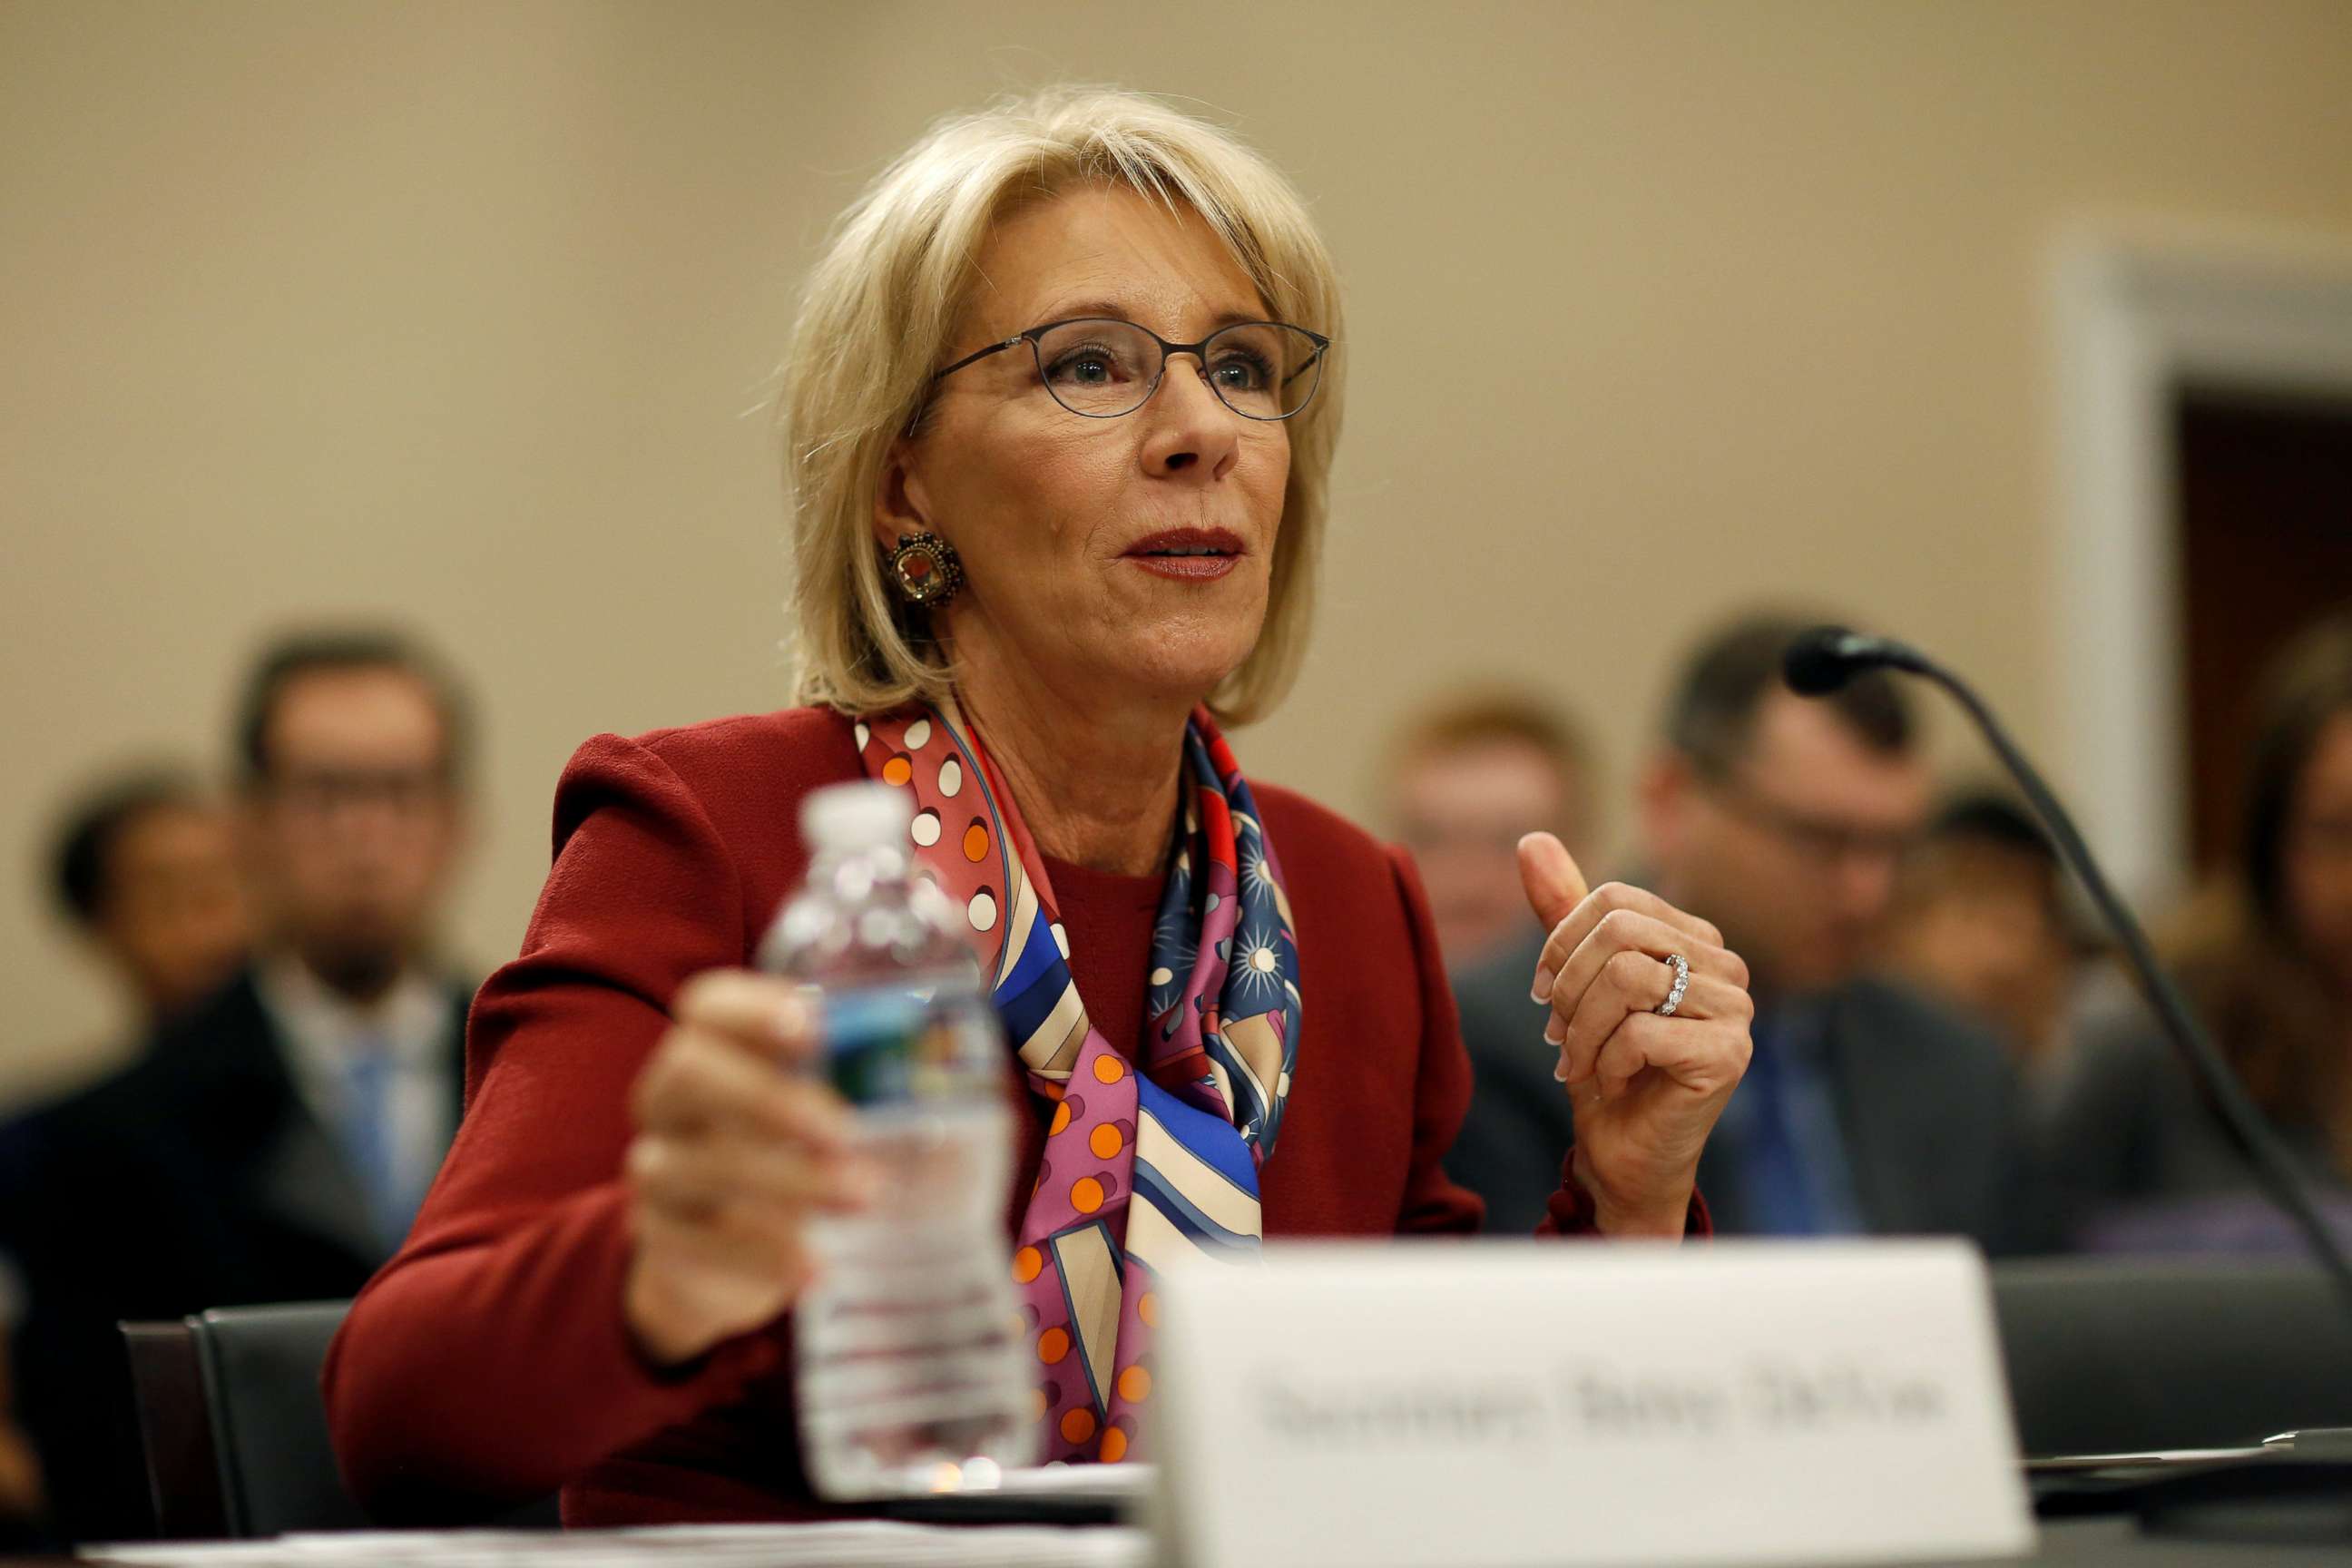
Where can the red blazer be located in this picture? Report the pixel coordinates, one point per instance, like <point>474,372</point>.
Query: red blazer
<point>489,1362</point>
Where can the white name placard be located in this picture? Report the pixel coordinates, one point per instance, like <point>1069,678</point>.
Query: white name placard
<point>1498,1405</point>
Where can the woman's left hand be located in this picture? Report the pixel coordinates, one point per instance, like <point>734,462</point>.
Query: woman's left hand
<point>1645,1090</point>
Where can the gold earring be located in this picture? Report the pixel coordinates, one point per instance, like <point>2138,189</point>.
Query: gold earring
<point>928,569</point>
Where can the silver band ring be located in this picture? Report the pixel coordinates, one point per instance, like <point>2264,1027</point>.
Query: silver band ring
<point>1665,1009</point>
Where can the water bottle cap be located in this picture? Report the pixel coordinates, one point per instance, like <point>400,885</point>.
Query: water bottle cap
<point>852,816</point>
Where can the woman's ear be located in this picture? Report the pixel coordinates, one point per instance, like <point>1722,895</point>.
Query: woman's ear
<point>900,506</point>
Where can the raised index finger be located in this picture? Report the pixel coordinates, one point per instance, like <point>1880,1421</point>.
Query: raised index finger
<point>1554,883</point>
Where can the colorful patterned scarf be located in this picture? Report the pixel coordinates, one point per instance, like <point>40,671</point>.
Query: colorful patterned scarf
<point>1140,1167</point>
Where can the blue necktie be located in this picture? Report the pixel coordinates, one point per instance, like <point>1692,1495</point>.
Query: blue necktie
<point>1780,1200</point>
<point>372,1142</point>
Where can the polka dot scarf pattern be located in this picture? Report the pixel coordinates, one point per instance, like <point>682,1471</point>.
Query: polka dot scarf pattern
<point>1140,1167</point>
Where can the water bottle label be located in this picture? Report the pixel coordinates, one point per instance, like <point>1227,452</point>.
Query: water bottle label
<point>883,1046</point>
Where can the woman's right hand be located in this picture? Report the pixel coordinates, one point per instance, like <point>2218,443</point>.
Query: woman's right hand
<point>735,1149</point>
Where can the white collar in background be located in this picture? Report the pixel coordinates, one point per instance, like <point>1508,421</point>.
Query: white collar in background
<point>323,1028</point>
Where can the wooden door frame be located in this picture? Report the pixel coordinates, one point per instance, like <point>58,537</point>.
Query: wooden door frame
<point>2138,311</point>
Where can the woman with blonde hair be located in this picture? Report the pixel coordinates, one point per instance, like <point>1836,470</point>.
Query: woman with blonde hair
<point>1060,414</point>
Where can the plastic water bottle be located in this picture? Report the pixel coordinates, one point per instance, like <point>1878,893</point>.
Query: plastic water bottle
<point>911,1372</point>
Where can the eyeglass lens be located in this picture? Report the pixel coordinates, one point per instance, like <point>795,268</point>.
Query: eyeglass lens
<point>1260,370</point>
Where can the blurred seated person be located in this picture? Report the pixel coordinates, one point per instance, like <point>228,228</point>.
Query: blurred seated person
<point>1867,1109</point>
<point>146,869</point>
<point>23,1505</point>
<point>272,1144</point>
<point>1468,779</point>
<point>1061,406</point>
<point>2265,958</point>
<point>1980,922</point>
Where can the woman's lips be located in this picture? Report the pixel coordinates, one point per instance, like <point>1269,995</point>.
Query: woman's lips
<point>1190,568</point>
<point>1188,554</point>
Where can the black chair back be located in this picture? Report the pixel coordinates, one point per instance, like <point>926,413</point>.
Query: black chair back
<point>233,1424</point>
<point>175,1433</point>
<point>2112,1355</point>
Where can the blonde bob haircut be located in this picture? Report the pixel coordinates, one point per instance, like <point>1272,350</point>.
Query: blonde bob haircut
<point>880,314</point>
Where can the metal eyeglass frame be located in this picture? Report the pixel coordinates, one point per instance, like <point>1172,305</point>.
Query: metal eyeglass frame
<point>1199,351</point>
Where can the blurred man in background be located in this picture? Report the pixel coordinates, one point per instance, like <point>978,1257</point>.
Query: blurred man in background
<point>273,1144</point>
<point>1867,1109</point>
<point>146,869</point>
<point>1980,923</point>
<point>1466,780</point>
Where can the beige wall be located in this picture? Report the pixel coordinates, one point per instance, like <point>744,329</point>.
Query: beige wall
<point>456,310</point>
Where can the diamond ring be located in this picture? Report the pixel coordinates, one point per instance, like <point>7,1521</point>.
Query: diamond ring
<point>1665,1009</point>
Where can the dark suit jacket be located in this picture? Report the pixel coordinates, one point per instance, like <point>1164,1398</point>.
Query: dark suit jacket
<point>1934,1120</point>
<point>193,1178</point>
<point>1518,1129</point>
<point>2140,1153</point>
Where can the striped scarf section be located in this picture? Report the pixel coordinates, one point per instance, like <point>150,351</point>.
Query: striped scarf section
<point>1153,1148</point>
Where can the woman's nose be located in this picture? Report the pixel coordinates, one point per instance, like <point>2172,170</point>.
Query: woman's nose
<point>1193,433</point>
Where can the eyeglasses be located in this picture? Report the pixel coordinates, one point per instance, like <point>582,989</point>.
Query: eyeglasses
<point>317,794</point>
<point>1101,367</point>
<point>1822,843</point>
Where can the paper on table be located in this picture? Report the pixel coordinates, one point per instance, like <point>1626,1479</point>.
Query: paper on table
<point>848,1544</point>
<point>1105,1482</point>
<point>2149,1459</point>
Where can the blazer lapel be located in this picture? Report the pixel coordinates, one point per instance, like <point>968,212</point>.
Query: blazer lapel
<point>1866,1082</point>
<point>303,1181</point>
<point>1719,1182</point>
<point>300,1177</point>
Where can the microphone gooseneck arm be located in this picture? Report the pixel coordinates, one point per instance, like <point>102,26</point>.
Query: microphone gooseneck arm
<point>1820,661</point>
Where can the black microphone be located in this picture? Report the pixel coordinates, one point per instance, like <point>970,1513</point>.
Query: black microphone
<point>1824,659</point>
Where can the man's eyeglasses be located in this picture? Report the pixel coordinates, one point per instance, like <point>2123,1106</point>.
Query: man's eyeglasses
<point>1100,367</point>
<point>317,793</point>
<point>1823,843</point>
